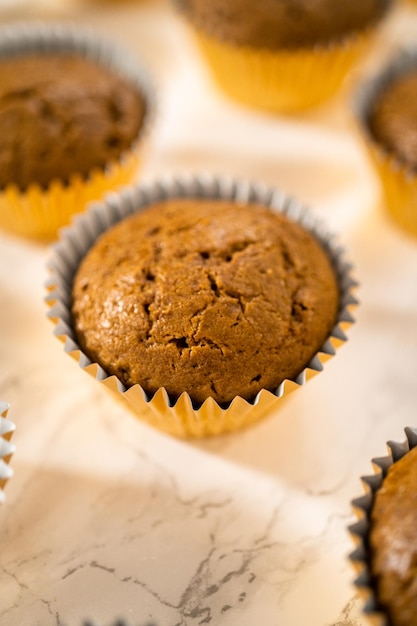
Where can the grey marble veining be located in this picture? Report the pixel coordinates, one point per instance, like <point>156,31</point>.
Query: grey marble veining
<point>104,516</point>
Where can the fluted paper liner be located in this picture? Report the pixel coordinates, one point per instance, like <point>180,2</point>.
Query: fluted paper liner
<point>399,181</point>
<point>359,531</point>
<point>39,212</point>
<point>179,416</point>
<point>283,80</point>
<point>6,447</point>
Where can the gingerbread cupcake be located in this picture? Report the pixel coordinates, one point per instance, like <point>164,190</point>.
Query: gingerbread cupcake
<point>200,302</point>
<point>386,109</point>
<point>386,538</point>
<point>74,111</point>
<point>282,55</point>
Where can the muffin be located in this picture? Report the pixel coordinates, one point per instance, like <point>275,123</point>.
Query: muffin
<point>393,118</point>
<point>283,55</point>
<point>62,114</point>
<point>212,297</point>
<point>72,114</point>
<point>386,533</point>
<point>6,447</point>
<point>386,108</point>
<point>200,300</point>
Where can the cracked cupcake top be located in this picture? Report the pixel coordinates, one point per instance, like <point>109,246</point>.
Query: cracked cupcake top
<point>211,297</point>
<point>62,114</point>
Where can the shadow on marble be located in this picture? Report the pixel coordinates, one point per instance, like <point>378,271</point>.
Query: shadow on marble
<point>74,545</point>
<point>303,176</point>
<point>294,444</point>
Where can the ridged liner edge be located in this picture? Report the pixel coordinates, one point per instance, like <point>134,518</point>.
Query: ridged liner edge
<point>359,531</point>
<point>78,238</point>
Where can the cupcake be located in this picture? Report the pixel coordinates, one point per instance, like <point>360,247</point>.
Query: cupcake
<point>282,55</point>
<point>74,111</point>
<point>6,448</point>
<point>386,536</point>
<point>386,108</point>
<point>201,301</point>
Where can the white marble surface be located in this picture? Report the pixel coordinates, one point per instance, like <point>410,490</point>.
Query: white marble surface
<point>106,517</point>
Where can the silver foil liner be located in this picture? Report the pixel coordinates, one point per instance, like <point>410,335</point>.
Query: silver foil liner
<point>362,506</point>
<point>6,447</point>
<point>178,415</point>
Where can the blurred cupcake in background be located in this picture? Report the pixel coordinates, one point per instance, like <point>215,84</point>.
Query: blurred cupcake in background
<point>386,553</point>
<point>74,113</point>
<point>282,55</point>
<point>7,449</point>
<point>201,301</point>
<point>386,107</point>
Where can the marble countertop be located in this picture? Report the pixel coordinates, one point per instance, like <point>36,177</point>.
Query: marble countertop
<point>104,516</point>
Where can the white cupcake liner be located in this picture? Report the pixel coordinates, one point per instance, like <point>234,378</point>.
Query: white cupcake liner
<point>6,447</point>
<point>362,506</point>
<point>186,416</point>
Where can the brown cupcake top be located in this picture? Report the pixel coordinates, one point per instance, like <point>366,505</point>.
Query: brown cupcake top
<point>281,23</point>
<point>393,541</point>
<point>393,118</point>
<point>210,297</point>
<point>62,114</point>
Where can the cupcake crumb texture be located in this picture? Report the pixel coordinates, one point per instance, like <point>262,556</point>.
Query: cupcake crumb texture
<point>205,296</point>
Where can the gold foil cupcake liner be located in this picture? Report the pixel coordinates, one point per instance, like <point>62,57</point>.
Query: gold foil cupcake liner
<point>359,531</point>
<point>282,80</point>
<point>39,212</point>
<point>399,181</point>
<point>7,449</point>
<point>179,416</point>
